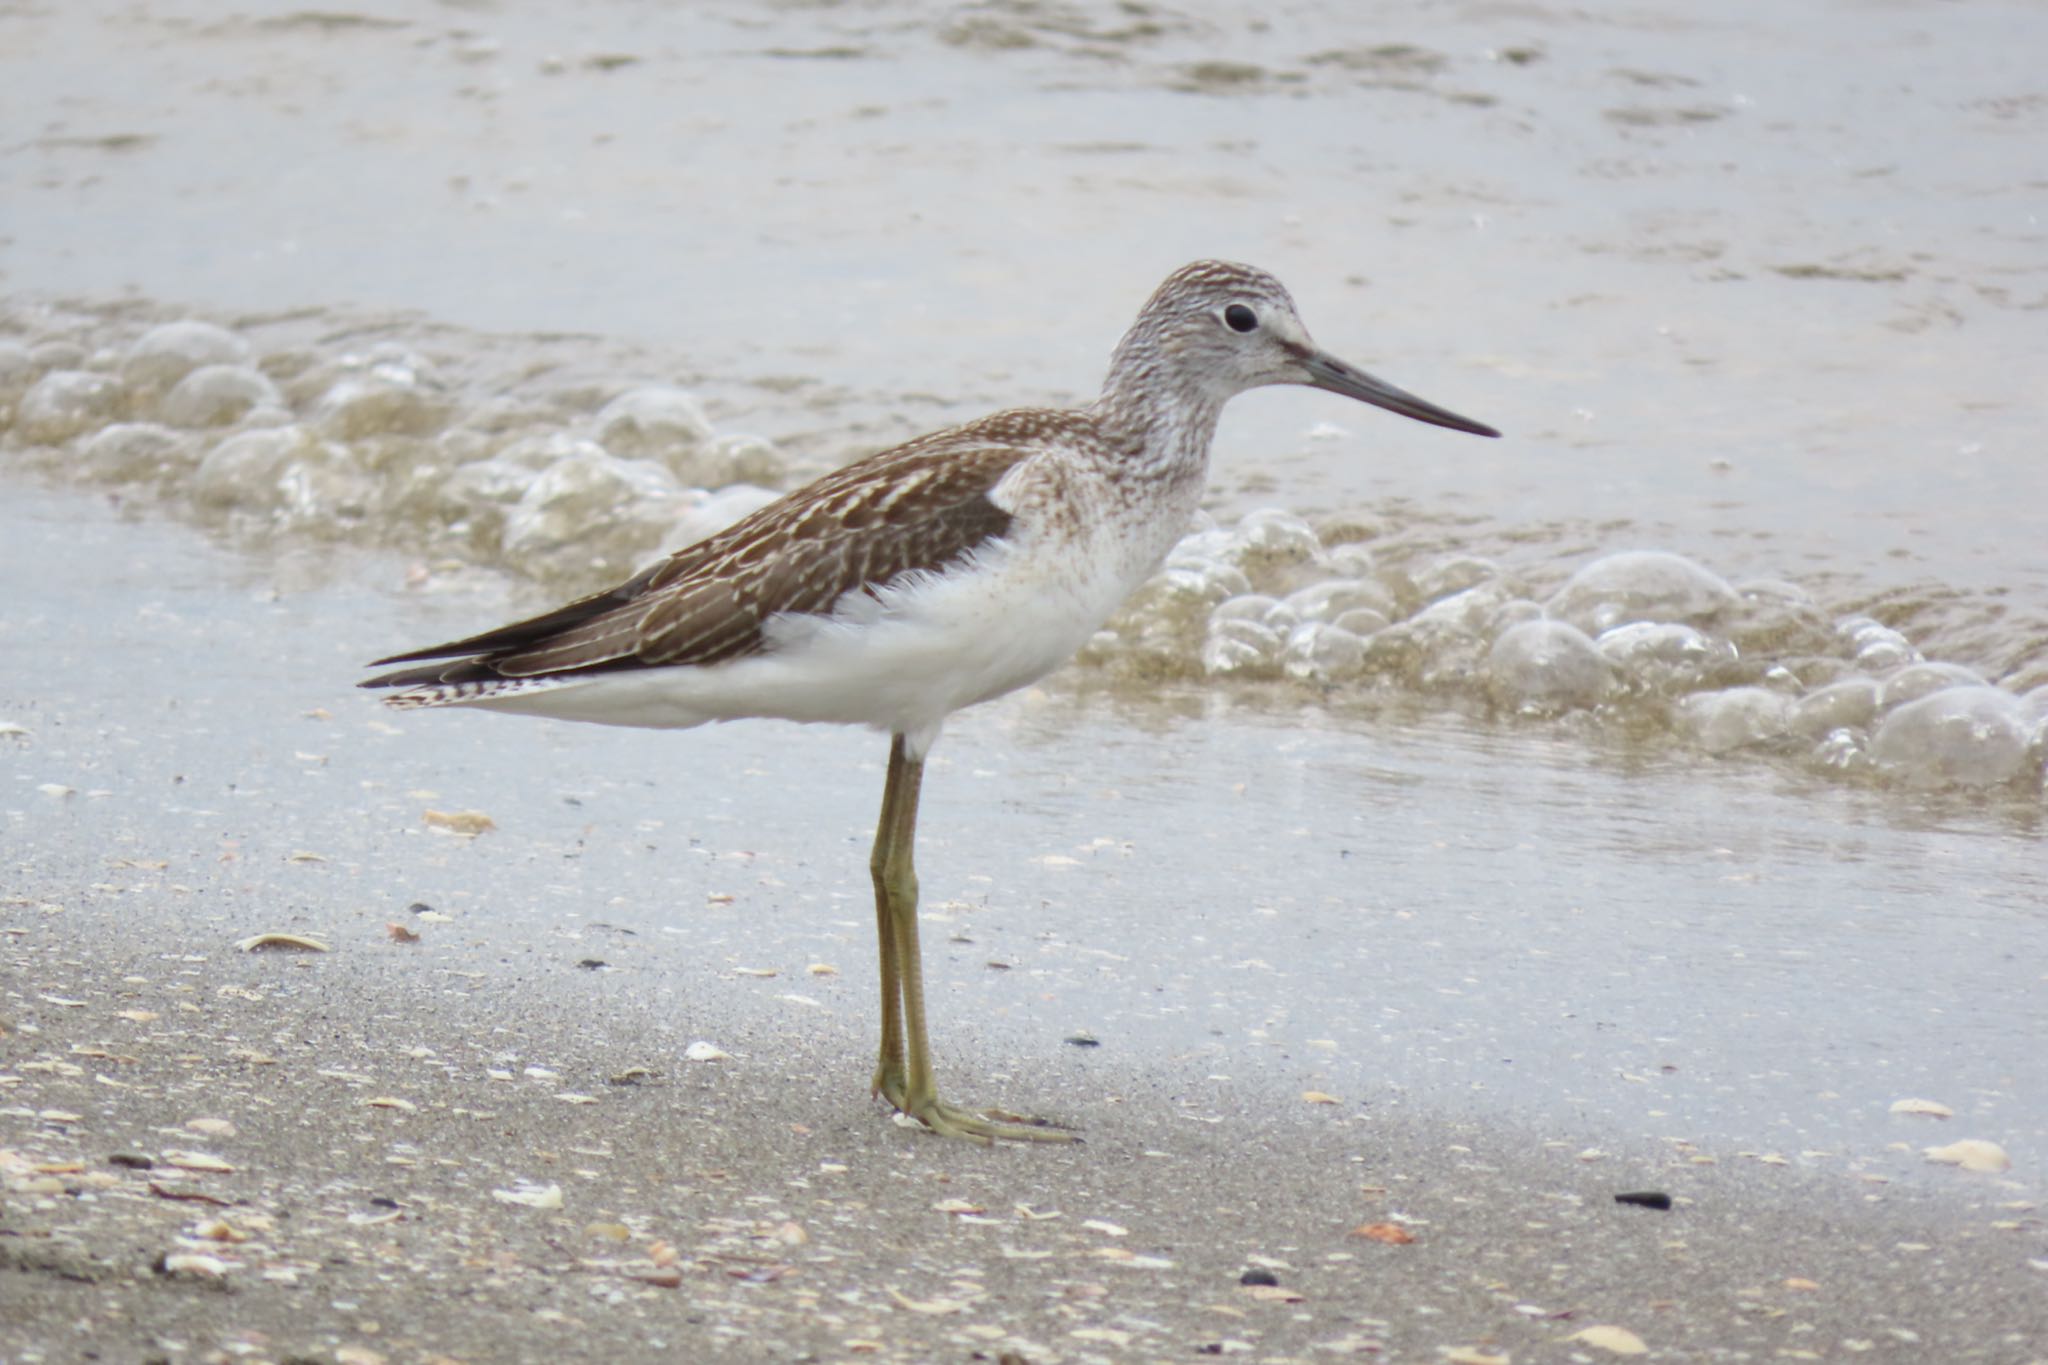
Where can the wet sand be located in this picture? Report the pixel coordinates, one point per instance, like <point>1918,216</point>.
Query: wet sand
<point>381,1094</point>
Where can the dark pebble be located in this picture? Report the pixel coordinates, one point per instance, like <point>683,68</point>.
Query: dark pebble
<point>1084,1040</point>
<point>420,908</point>
<point>1648,1199</point>
<point>591,964</point>
<point>134,1161</point>
<point>1258,1277</point>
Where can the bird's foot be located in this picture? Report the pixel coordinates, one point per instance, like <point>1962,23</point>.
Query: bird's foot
<point>986,1125</point>
<point>950,1120</point>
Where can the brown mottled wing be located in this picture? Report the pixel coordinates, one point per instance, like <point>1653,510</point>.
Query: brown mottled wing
<point>916,507</point>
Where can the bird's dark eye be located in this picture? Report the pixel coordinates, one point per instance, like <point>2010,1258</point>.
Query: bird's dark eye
<point>1240,318</point>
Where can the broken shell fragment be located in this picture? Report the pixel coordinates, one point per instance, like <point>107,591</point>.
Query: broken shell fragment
<point>197,1161</point>
<point>195,1264</point>
<point>465,824</point>
<point>297,942</point>
<point>531,1196</point>
<point>1619,1340</point>
<point>1972,1154</point>
<point>1392,1234</point>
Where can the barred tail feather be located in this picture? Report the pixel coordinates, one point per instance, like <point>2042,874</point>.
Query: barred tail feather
<point>469,693</point>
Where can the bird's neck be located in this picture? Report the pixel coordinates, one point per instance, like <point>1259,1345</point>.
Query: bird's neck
<point>1161,428</point>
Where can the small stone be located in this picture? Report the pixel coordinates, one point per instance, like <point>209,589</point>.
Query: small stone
<point>1645,1199</point>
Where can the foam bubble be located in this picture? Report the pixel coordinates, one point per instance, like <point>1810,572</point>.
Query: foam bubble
<point>1363,621</point>
<point>1223,657</point>
<point>324,488</point>
<point>132,451</point>
<point>656,423</point>
<point>166,354</point>
<point>1269,543</point>
<point>638,499</point>
<point>1253,606</point>
<point>1775,617</point>
<point>1666,656</point>
<point>1959,736</point>
<point>1734,717</point>
<point>284,470</point>
<point>1915,681</point>
<point>1876,647</point>
<point>1445,644</point>
<point>1844,750</point>
<point>1321,653</point>
<point>1185,596</point>
<point>489,486</point>
<point>1241,647</point>
<point>1542,667</point>
<point>2034,705</point>
<point>1641,585</point>
<point>59,355</point>
<point>737,458</point>
<point>1332,597</point>
<point>1848,704</point>
<point>1452,574</point>
<point>17,369</point>
<point>387,398</point>
<point>64,403</point>
<point>217,396</point>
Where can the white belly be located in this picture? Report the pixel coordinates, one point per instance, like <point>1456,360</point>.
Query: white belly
<point>900,660</point>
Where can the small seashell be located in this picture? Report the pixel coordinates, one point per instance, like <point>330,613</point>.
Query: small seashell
<point>1931,1108</point>
<point>1618,1340</point>
<point>197,1161</point>
<point>463,823</point>
<point>1390,1234</point>
<point>1972,1154</point>
<point>531,1196</point>
<point>297,942</point>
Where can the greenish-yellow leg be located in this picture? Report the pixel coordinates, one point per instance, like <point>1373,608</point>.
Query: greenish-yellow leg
<point>903,1075</point>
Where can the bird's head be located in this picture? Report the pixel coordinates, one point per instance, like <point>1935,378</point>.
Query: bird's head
<point>1217,328</point>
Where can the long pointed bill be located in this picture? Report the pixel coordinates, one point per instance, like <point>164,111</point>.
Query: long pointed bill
<point>1334,376</point>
